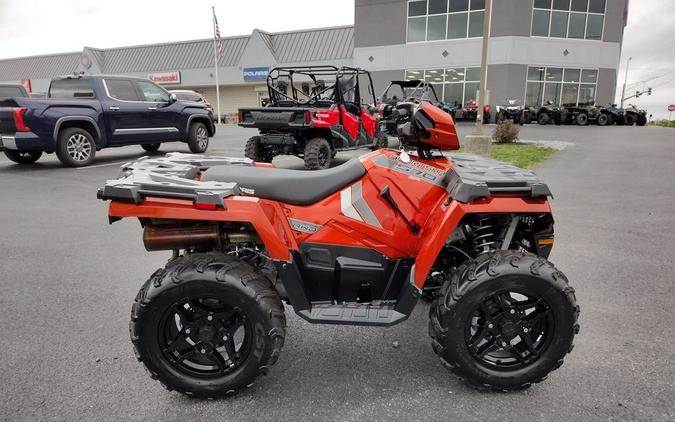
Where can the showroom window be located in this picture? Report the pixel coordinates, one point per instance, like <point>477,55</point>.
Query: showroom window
<point>454,85</point>
<point>433,20</point>
<point>581,19</point>
<point>566,86</point>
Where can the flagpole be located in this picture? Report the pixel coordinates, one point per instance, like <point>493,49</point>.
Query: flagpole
<point>215,63</point>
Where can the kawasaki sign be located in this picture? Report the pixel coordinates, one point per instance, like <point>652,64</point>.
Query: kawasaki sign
<point>252,74</point>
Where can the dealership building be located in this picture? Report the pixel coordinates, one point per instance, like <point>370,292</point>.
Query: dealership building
<point>565,51</point>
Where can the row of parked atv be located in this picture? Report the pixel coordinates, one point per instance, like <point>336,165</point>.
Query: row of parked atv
<point>581,115</point>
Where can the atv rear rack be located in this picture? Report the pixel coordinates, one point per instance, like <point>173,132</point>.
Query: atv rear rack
<point>172,176</point>
<point>474,177</point>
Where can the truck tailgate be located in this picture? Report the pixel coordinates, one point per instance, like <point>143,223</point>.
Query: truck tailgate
<point>7,121</point>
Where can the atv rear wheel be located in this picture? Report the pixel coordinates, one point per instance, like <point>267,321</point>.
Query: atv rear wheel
<point>23,157</point>
<point>602,120</point>
<point>581,119</point>
<point>317,154</point>
<point>641,120</point>
<point>504,321</point>
<point>543,119</point>
<point>207,325</point>
<point>629,120</point>
<point>255,151</point>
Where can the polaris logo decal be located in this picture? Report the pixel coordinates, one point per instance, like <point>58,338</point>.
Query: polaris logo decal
<point>303,226</point>
<point>414,169</point>
<point>354,206</point>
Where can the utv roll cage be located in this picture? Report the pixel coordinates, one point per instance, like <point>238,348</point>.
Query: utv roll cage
<point>319,86</point>
<point>421,90</point>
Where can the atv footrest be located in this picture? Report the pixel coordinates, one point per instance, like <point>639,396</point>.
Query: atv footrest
<point>353,314</point>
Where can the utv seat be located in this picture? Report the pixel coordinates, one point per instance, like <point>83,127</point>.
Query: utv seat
<point>295,187</point>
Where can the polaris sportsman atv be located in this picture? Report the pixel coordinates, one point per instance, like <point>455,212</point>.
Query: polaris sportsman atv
<point>329,113</point>
<point>356,245</point>
<point>546,113</point>
<point>634,115</point>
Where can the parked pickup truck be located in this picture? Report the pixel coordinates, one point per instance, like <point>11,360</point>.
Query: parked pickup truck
<point>85,113</point>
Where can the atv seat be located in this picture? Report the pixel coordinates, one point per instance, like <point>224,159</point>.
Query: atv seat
<point>295,187</point>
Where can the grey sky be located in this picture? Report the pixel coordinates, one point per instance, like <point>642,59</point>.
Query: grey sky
<point>30,27</point>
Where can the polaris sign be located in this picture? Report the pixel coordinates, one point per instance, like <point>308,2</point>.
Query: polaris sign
<point>252,74</point>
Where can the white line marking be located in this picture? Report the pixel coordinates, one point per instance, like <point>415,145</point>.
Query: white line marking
<point>116,163</point>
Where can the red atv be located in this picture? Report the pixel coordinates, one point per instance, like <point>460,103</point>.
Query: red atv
<point>329,113</point>
<point>356,244</point>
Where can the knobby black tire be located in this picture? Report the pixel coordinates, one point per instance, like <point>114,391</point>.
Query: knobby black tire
<point>449,344</point>
<point>312,150</point>
<point>215,273</point>
<point>254,151</point>
<point>543,119</point>
<point>23,157</point>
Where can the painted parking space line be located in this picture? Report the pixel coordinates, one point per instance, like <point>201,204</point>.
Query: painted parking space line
<point>116,163</point>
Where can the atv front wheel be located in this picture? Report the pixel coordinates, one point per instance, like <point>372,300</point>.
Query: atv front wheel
<point>543,119</point>
<point>629,120</point>
<point>207,325</point>
<point>23,157</point>
<point>317,154</point>
<point>641,120</point>
<point>602,120</point>
<point>581,119</point>
<point>504,321</point>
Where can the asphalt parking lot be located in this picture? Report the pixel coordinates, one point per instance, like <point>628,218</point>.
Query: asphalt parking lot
<point>68,280</point>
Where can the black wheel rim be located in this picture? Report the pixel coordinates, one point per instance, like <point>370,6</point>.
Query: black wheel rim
<point>205,337</point>
<point>509,330</point>
<point>324,157</point>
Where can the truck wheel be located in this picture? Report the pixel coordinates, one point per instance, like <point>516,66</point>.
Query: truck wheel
<point>641,120</point>
<point>581,119</point>
<point>255,151</point>
<point>629,120</point>
<point>207,325</point>
<point>75,147</point>
<point>151,147</point>
<point>23,157</point>
<point>317,154</point>
<point>602,120</point>
<point>198,138</point>
<point>504,321</point>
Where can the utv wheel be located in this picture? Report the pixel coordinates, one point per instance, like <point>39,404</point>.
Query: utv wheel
<point>504,321</point>
<point>207,325</point>
<point>629,120</point>
<point>75,147</point>
<point>543,119</point>
<point>317,154</point>
<point>150,147</point>
<point>198,138</point>
<point>581,119</point>
<point>255,151</point>
<point>23,157</point>
<point>602,120</point>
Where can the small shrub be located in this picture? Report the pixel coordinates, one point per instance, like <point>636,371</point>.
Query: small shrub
<point>506,132</point>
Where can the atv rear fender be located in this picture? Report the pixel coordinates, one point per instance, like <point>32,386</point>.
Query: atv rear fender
<point>445,219</point>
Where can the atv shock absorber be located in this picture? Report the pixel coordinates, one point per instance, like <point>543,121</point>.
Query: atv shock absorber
<point>483,236</point>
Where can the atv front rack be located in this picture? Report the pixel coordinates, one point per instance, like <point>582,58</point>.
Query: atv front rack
<point>172,176</point>
<point>474,177</point>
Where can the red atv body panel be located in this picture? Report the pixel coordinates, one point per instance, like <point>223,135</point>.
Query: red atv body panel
<point>355,216</point>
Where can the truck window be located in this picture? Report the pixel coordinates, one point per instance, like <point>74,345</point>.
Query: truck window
<point>120,89</point>
<point>11,92</point>
<point>71,88</point>
<point>152,92</point>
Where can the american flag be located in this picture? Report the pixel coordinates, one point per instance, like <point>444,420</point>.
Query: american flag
<point>216,34</point>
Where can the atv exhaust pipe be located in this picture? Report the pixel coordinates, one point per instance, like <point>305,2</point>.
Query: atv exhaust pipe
<point>173,237</point>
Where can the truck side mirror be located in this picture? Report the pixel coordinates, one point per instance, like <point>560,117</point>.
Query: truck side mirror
<point>172,98</point>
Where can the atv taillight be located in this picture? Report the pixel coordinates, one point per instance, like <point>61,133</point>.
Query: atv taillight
<point>486,108</point>
<point>19,123</point>
<point>308,117</point>
<point>240,117</point>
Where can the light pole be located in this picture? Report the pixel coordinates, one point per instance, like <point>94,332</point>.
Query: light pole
<point>478,129</point>
<point>625,80</point>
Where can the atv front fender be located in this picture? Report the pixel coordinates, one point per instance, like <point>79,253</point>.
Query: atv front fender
<point>446,218</point>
